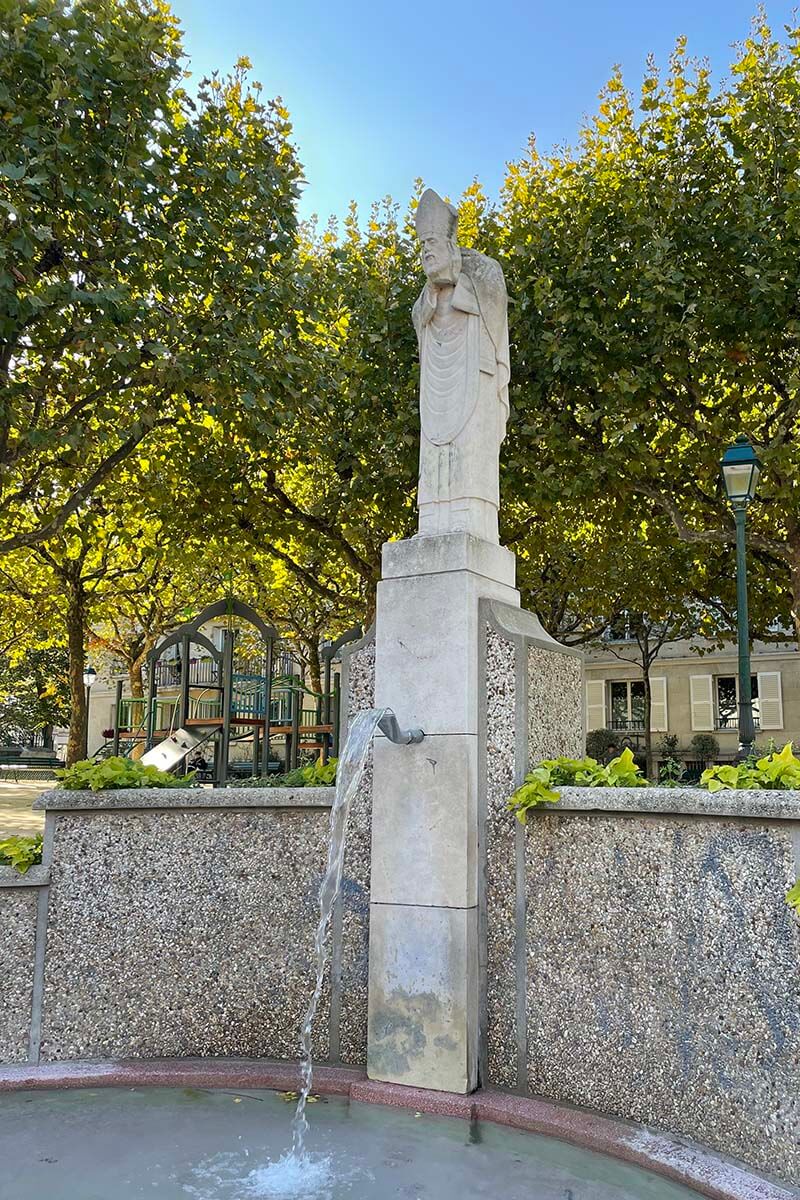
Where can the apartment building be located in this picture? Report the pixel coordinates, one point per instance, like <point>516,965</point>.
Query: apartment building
<point>694,690</point>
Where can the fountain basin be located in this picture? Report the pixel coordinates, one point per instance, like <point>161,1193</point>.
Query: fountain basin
<point>214,1144</point>
<point>193,1089</point>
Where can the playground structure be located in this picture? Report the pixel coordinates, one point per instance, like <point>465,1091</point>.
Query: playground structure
<point>203,696</point>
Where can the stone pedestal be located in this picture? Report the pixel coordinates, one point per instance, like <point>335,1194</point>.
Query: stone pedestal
<point>424,1002</point>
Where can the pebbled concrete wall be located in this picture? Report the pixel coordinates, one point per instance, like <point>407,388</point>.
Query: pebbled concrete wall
<point>531,708</point>
<point>351,919</point>
<point>180,922</point>
<point>660,975</point>
<point>663,976</point>
<point>19,904</point>
<point>174,933</point>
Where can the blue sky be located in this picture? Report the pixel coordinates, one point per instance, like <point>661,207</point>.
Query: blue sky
<point>382,93</point>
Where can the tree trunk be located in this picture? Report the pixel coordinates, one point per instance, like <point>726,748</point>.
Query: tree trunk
<point>136,678</point>
<point>314,665</point>
<point>648,736</point>
<point>794,568</point>
<point>76,627</point>
<point>138,711</point>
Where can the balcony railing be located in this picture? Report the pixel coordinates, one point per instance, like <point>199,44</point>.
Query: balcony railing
<point>627,725</point>
<point>732,723</point>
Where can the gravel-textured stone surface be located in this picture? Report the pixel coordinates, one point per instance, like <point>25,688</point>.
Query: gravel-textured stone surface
<point>779,805</point>
<point>17,950</point>
<point>664,980</point>
<point>177,933</point>
<point>501,889</point>
<point>356,877</point>
<point>555,705</point>
<point>233,797</point>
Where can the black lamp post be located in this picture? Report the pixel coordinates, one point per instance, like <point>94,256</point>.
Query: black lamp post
<point>740,471</point>
<point>89,676</point>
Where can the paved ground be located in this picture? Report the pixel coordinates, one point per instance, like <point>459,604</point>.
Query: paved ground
<point>15,807</point>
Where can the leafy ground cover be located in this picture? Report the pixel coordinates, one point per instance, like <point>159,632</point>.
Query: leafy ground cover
<point>315,775</point>
<point>117,772</point>
<point>22,853</point>
<point>778,771</point>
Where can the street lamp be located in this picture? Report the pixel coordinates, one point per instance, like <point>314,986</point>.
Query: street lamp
<point>89,676</point>
<point>740,471</point>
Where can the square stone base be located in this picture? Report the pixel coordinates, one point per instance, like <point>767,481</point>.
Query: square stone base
<point>423,990</point>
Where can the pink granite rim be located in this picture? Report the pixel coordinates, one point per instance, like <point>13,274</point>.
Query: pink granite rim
<point>665,1155</point>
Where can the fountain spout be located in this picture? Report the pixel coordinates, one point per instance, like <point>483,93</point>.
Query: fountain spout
<point>403,737</point>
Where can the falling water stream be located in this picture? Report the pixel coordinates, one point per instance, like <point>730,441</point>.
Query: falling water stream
<point>349,771</point>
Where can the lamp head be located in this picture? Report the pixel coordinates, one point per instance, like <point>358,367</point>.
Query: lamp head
<point>740,468</point>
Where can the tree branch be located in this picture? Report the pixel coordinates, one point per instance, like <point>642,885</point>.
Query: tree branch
<point>33,536</point>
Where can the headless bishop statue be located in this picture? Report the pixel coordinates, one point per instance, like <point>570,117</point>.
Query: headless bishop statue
<point>462,327</point>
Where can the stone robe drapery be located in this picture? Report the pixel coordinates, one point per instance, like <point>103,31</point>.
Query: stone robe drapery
<point>463,400</point>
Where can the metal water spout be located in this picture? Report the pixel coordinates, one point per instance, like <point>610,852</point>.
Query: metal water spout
<point>403,737</point>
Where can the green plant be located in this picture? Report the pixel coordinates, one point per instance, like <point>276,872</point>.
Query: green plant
<point>534,791</point>
<point>775,772</point>
<point>540,783</point>
<point>316,774</point>
<point>669,746</point>
<point>763,749</point>
<point>601,742</point>
<point>705,746</point>
<point>21,852</point>
<point>117,772</point>
<point>793,897</point>
<point>670,772</point>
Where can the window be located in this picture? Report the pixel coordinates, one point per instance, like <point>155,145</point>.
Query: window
<point>728,701</point>
<point>627,704</point>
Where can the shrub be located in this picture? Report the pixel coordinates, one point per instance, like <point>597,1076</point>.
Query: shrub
<point>669,746</point>
<point>21,852</point>
<point>538,787</point>
<point>793,897</point>
<point>600,743</point>
<point>776,772</point>
<point>117,772</point>
<point>316,774</point>
<point>705,746</point>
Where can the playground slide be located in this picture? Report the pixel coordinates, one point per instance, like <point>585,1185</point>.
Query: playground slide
<point>168,754</point>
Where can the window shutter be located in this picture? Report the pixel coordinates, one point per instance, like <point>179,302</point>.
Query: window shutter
<point>658,704</point>
<point>701,699</point>
<point>770,700</point>
<point>595,704</point>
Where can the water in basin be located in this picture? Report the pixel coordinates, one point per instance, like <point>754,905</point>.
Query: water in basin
<point>172,1144</point>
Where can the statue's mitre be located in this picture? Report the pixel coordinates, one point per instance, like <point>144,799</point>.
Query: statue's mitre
<point>434,215</point>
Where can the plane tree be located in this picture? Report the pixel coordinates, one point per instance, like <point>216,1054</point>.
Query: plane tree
<point>656,313</point>
<point>146,244</point>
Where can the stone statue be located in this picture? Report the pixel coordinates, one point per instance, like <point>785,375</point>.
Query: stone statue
<point>462,327</point>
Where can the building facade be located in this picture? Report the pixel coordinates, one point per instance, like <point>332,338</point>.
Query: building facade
<point>694,691</point>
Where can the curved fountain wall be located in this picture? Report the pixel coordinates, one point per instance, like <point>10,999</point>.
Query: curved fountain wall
<point>639,959</point>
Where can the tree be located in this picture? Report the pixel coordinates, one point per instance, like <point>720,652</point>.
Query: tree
<point>646,638</point>
<point>177,577</point>
<point>145,253</point>
<point>34,694</point>
<point>339,481</point>
<point>656,314</point>
<point>304,613</point>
